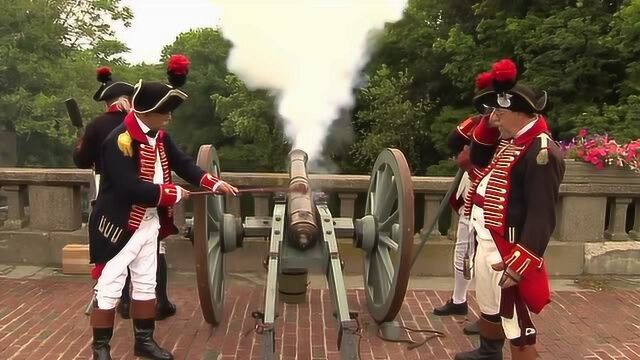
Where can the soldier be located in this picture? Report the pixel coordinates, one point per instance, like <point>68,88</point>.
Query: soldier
<point>86,155</point>
<point>513,212</point>
<point>459,141</point>
<point>116,95</point>
<point>135,208</point>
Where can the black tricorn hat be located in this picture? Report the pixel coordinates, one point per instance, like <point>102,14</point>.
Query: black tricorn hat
<point>500,89</point>
<point>109,89</point>
<point>157,97</point>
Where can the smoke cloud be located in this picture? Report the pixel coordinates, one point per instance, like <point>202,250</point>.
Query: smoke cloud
<point>309,53</point>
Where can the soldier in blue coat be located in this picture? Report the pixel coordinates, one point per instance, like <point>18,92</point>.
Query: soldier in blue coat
<point>134,209</point>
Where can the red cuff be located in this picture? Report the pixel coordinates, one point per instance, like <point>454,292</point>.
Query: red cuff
<point>523,261</point>
<point>466,127</point>
<point>484,134</point>
<point>168,195</point>
<point>464,161</point>
<point>208,181</point>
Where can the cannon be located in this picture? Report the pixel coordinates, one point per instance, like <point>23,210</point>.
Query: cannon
<point>302,234</point>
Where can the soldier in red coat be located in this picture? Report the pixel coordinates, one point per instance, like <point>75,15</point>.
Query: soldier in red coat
<point>513,212</point>
<point>134,209</point>
<point>459,141</point>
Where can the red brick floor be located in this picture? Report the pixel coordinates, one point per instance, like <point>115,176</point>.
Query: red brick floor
<point>43,319</point>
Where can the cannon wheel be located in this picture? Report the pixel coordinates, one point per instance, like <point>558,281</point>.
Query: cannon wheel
<point>208,220</point>
<point>387,237</point>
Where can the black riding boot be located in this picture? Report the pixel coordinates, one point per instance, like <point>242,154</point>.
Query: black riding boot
<point>102,324</point>
<point>143,313</point>
<point>491,342</point>
<point>164,307</point>
<point>449,308</point>
<point>125,299</point>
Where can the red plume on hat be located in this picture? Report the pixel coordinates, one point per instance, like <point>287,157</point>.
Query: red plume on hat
<point>484,80</point>
<point>103,74</point>
<point>504,74</point>
<point>177,69</point>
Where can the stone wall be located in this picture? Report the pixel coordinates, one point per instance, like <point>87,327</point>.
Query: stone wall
<point>598,227</point>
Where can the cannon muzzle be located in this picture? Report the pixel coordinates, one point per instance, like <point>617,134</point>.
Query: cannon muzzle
<point>300,210</point>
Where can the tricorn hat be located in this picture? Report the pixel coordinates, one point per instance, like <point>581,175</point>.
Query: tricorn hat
<point>109,89</point>
<point>500,89</point>
<point>157,97</point>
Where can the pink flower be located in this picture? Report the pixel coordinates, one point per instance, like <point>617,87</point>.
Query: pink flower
<point>583,133</point>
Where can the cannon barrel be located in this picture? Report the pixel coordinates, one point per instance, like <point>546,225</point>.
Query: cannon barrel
<point>300,210</point>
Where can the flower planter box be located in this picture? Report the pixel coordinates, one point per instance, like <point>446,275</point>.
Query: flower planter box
<point>579,172</point>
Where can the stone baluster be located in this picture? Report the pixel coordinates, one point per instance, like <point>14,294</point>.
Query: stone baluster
<point>617,229</point>
<point>55,208</point>
<point>233,205</point>
<point>348,204</point>
<point>261,204</point>
<point>581,218</point>
<point>635,232</point>
<point>179,215</point>
<point>16,202</point>
<point>431,205</point>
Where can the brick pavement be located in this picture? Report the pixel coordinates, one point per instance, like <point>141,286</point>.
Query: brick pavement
<point>43,319</point>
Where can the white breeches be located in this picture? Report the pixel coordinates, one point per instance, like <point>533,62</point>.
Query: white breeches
<point>140,256</point>
<point>464,244</point>
<point>464,247</point>
<point>487,288</point>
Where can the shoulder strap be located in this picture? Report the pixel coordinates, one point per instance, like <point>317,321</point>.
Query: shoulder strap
<point>543,155</point>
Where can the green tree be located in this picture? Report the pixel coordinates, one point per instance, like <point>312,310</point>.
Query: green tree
<point>390,119</point>
<point>42,66</point>
<point>249,117</point>
<point>196,122</point>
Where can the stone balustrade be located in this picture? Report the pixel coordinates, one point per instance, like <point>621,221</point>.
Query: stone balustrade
<point>597,232</point>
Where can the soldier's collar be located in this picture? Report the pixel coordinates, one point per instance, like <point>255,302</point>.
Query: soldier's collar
<point>133,125</point>
<point>530,132</point>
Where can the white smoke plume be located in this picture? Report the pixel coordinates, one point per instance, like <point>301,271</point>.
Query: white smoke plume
<point>309,53</point>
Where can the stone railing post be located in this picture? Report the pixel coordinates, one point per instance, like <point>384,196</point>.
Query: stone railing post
<point>617,229</point>
<point>233,205</point>
<point>179,215</point>
<point>635,232</point>
<point>16,202</point>
<point>55,207</point>
<point>261,204</point>
<point>581,218</point>
<point>348,204</point>
<point>431,204</point>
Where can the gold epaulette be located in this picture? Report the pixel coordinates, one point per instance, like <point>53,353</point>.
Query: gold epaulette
<point>124,144</point>
<point>543,155</point>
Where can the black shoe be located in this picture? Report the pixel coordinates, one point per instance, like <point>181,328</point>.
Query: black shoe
<point>100,344</point>
<point>144,345</point>
<point>451,309</point>
<point>123,309</point>
<point>472,329</point>
<point>165,310</point>
<point>488,350</point>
